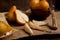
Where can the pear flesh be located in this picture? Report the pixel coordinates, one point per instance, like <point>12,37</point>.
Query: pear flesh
<point>28,29</point>
<point>24,16</point>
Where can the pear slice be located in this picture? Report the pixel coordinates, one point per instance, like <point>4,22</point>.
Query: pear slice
<point>28,29</point>
<point>6,30</point>
<point>33,26</point>
<point>11,15</point>
<point>21,14</point>
<point>40,23</point>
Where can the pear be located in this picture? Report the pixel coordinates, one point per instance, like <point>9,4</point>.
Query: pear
<point>44,5</point>
<point>34,4</point>
<point>17,15</point>
<point>39,4</point>
<point>4,28</point>
<point>21,17</point>
<point>11,14</point>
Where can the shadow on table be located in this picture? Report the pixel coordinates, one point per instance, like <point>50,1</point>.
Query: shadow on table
<point>42,37</point>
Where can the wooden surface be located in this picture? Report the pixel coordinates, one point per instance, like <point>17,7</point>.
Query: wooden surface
<point>21,33</point>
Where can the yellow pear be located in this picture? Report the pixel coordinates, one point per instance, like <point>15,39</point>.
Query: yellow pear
<point>11,14</point>
<point>39,4</point>
<point>34,4</point>
<point>4,28</point>
<point>44,5</point>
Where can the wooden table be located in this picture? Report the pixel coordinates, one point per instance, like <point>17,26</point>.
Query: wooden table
<point>21,33</point>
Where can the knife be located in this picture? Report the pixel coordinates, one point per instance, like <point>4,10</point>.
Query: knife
<point>52,11</point>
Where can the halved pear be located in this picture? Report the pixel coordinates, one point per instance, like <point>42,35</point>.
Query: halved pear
<point>23,19</point>
<point>19,19</point>
<point>22,15</point>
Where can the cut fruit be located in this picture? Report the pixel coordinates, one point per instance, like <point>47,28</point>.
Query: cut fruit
<point>33,26</point>
<point>28,29</point>
<point>19,19</point>
<point>40,23</point>
<point>22,15</point>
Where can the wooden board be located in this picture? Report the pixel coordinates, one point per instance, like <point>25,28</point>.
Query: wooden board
<point>22,33</point>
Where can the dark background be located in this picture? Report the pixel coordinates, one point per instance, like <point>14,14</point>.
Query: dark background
<point>6,4</point>
<point>21,4</point>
